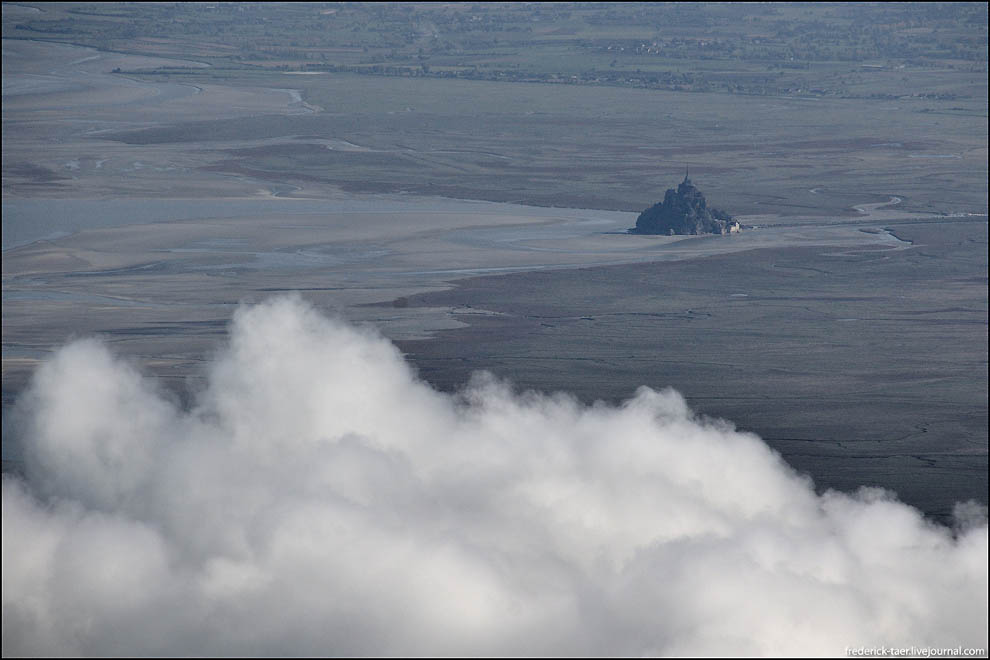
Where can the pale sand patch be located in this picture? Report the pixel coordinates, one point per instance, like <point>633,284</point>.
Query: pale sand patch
<point>350,259</point>
<point>64,97</point>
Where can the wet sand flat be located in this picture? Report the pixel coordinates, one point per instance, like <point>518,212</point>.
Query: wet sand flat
<point>123,279</point>
<point>862,367</point>
<point>144,209</point>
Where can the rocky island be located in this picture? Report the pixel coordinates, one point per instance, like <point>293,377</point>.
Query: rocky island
<point>684,211</point>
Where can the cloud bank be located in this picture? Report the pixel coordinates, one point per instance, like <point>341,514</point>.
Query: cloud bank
<point>321,500</point>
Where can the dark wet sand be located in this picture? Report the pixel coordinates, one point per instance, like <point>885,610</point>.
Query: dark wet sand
<point>862,367</point>
<point>861,357</point>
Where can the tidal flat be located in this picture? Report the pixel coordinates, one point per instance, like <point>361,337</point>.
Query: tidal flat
<point>847,326</point>
<point>862,366</point>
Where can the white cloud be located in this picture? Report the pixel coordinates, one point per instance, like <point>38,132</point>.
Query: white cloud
<point>320,500</point>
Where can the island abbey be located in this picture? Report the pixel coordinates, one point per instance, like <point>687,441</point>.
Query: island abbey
<point>684,211</point>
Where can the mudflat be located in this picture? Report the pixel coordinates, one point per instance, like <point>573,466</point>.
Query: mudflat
<point>847,325</point>
<point>863,366</point>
